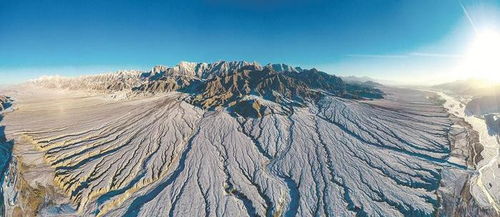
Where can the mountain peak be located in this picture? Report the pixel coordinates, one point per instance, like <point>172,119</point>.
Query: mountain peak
<point>158,69</point>
<point>281,67</point>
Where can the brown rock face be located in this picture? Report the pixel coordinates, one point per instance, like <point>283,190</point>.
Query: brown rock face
<point>249,108</point>
<point>281,87</point>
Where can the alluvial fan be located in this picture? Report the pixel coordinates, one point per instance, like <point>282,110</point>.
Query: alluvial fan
<point>244,141</point>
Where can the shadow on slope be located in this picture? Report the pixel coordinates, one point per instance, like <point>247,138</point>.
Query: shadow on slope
<point>5,156</point>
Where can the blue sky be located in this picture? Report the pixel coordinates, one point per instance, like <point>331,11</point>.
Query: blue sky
<point>377,38</point>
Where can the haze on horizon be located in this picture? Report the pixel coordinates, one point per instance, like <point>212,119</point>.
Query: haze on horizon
<point>418,42</point>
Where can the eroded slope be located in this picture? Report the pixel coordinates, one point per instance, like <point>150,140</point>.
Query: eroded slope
<point>163,156</point>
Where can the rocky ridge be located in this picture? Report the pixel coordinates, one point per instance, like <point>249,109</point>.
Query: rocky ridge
<point>222,83</point>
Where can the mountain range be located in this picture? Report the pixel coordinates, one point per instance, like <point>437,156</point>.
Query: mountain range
<point>234,139</point>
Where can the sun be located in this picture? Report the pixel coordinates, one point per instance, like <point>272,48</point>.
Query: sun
<point>482,59</point>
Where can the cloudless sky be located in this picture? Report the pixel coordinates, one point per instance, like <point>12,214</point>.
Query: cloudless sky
<point>71,37</point>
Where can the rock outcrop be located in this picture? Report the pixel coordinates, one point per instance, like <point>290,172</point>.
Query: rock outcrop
<point>5,103</point>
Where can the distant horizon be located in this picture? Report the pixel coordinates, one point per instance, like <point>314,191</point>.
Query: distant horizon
<point>76,71</point>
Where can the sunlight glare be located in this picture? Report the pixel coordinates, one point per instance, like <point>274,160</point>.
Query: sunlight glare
<point>482,59</point>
